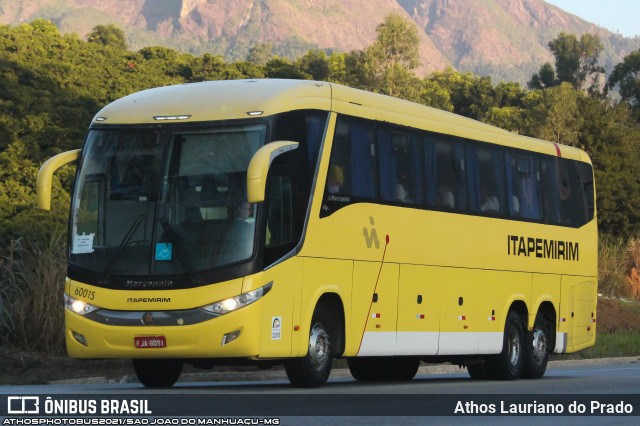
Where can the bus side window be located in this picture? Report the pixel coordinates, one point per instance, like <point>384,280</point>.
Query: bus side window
<point>399,162</point>
<point>571,203</point>
<point>445,174</point>
<point>585,172</point>
<point>523,186</point>
<point>551,199</point>
<point>352,168</point>
<point>486,177</point>
<point>565,202</point>
<point>307,128</point>
<point>279,233</point>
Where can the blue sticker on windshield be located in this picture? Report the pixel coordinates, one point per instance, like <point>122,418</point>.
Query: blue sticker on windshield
<point>163,251</point>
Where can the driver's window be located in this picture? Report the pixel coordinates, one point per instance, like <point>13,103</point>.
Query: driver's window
<point>280,217</point>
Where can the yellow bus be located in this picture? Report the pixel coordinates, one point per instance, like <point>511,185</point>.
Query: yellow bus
<point>296,222</point>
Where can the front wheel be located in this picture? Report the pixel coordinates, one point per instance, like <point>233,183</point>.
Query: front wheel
<point>537,348</point>
<point>509,363</point>
<point>157,373</point>
<point>313,369</point>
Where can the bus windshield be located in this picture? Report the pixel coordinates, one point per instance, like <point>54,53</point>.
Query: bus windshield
<point>164,203</point>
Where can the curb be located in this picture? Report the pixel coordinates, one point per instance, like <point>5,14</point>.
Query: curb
<point>254,376</point>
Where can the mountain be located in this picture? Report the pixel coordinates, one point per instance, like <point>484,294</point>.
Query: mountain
<point>505,39</point>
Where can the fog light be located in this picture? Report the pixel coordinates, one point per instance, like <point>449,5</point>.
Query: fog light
<point>230,337</point>
<point>80,338</point>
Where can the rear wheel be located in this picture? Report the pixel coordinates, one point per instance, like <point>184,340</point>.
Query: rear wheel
<point>384,368</point>
<point>399,368</point>
<point>363,369</point>
<point>537,348</point>
<point>313,369</point>
<point>509,363</point>
<point>157,373</point>
<point>478,371</point>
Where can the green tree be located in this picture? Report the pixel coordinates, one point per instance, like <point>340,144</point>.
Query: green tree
<point>470,95</point>
<point>386,66</point>
<point>283,68</point>
<point>553,114</point>
<point>508,118</point>
<point>626,75</point>
<point>434,95</point>
<point>316,64</point>
<point>509,94</point>
<point>396,43</point>
<point>17,197</point>
<point>108,35</point>
<point>260,54</point>
<point>546,77</point>
<point>611,136</point>
<point>337,67</point>
<point>576,62</point>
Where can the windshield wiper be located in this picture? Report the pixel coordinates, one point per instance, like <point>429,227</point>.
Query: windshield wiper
<point>115,260</point>
<point>182,257</point>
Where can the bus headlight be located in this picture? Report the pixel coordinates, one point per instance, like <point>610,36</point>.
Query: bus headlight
<point>78,306</point>
<point>228,305</point>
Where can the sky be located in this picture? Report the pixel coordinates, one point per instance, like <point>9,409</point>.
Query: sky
<point>621,16</point>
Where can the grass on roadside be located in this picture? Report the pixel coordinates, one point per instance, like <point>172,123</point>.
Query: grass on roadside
<point>618,331</point>
<point>621,343</point>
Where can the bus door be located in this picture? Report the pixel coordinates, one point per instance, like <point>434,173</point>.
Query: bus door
<point>281,227</point>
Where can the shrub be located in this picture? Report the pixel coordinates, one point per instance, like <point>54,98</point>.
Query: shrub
<point>612,268</point>
<point>33,273</point>
<point>632,258</point>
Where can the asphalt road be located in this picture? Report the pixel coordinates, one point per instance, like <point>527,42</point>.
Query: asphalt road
<point>438,395</point>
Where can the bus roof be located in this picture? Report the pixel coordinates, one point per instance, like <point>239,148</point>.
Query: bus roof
<point>238,99</point>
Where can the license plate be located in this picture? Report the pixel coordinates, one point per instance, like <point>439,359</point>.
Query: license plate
<point>146,342</point>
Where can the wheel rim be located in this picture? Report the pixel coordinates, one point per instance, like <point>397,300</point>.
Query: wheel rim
<point>319,347</point>
<point>514,347</point>
<point>539,346</point>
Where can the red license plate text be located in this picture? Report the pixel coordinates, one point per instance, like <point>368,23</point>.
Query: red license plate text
<point>146,342</point>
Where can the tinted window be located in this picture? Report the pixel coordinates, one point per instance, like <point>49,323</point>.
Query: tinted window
<point>486,179</point>
<point>399,161</point>
<point>523,186</point>
<point>352,168</point>
<point>585,174</point>
<point>564,198</point>
<point>454,174</point>
<point>445,173</point>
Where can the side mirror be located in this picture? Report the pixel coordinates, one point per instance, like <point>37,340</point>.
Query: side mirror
<point>259,168</point>
<point>45,175</point>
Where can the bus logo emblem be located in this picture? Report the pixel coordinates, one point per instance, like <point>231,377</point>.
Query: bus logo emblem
<point>147,318</point>
<point>371,237</point>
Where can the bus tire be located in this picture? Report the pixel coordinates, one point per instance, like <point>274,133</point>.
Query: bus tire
<point>157,373</point>
<point>537,348</point>
<point>399,368</point>
<point>363,369</point>
<point>508,365</point>
<point>478,371</point>
<point>384,368</point>
<point>313,369</point>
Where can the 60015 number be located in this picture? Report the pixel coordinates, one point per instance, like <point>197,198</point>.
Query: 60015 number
<point>84,292</point>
